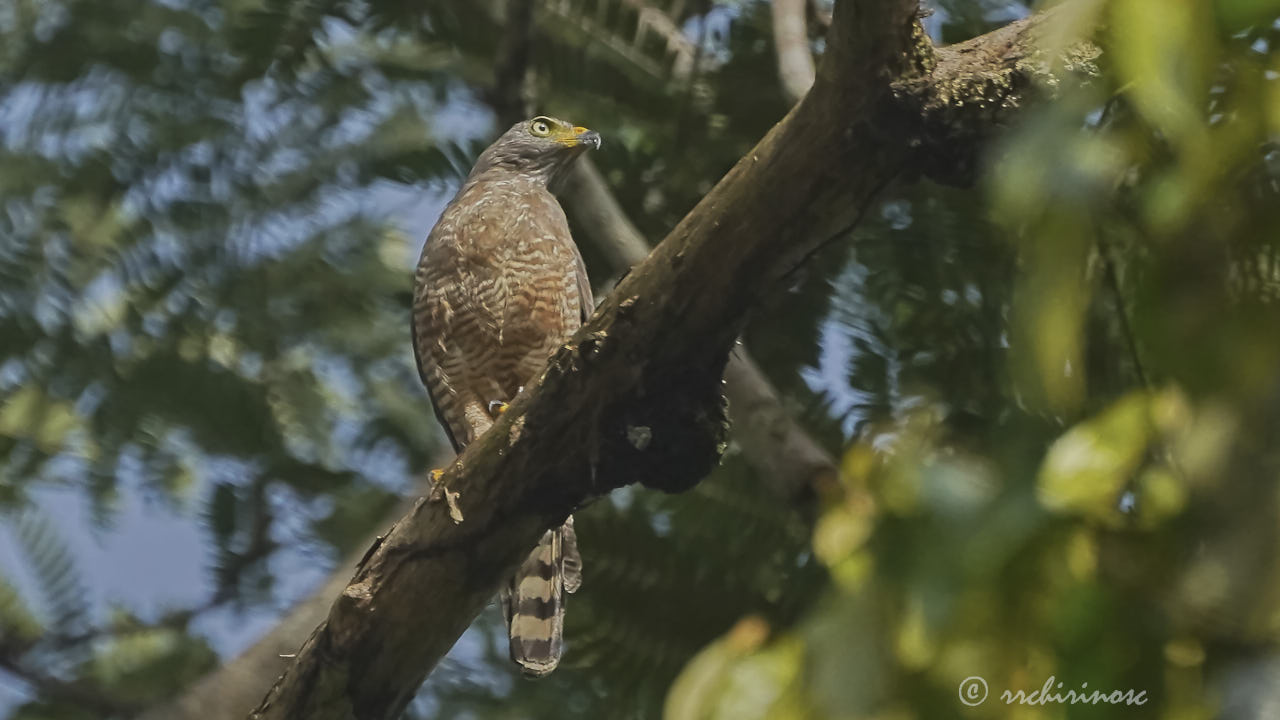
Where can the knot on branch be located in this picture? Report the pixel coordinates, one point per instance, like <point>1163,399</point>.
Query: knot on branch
<point>669,441</point>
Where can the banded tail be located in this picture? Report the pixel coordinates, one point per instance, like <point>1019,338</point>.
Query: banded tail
<point>533,602</point>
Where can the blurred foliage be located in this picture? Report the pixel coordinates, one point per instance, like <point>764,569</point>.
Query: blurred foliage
<point>1063,459</point>
<point>1054,396</point>
<point>199,305</point>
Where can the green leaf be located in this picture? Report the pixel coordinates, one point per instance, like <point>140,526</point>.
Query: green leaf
<point>1164,61</point>
<point>54,568</point>
<point>1086,469</point>
<point>145,666</point>
<point>30,414</point>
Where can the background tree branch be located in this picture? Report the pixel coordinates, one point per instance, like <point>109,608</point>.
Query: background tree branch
<point>791,44</point>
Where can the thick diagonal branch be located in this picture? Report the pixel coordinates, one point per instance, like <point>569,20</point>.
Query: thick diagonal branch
<point>785,456</point>
<point>635,396</point>
<point>788,460</point>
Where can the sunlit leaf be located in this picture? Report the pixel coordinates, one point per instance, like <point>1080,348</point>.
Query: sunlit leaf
<point>1164,62</point>
<point>1052,297</point>
<point>140,666</point>
<point>1086,469</point>
<point>1162,494</point>
<point>698,691</point>
<point>32,415</point>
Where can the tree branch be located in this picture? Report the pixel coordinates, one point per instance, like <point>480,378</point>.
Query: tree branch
<point>592,206</point>
<point>784,455</point>
<point>791,44</point>
<point>509,97</point>
<point>635,396</point>
<point>972,90</point>
<point>781,452</point>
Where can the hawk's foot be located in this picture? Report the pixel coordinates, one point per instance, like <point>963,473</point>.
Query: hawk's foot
<point>440,492</point>
<point>497,407</point>
<point>436,493</point>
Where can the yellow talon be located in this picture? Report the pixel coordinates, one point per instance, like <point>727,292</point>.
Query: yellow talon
<point>439,492</point>
<point>497,407</point>
<point>436,493</point>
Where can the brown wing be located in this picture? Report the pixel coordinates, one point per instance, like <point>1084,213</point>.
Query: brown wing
<point>423,329</point>
<point>453,308</point>
<point>435,406</point>
<point>499,286</point>
<point>586,302</point>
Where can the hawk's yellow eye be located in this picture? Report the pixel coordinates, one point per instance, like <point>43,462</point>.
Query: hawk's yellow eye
<point>541,127</point>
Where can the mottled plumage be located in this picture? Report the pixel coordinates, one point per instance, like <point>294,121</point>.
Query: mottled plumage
<point>499,286</point>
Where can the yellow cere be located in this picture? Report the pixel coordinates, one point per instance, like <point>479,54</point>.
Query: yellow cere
<point>571,138</point>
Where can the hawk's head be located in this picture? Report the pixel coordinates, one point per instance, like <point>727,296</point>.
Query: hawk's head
<point>541,148</point>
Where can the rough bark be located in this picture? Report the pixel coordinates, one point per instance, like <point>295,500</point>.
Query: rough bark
<point>785,456</point>
<point>974,89</point>
<point>635,397</point>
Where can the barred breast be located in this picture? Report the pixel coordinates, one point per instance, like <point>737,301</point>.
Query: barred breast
<point>497,289</point>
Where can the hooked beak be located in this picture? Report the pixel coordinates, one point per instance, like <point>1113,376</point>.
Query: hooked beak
<point>583,137</point>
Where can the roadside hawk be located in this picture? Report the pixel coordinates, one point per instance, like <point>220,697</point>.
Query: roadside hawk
<point>500,285</point>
